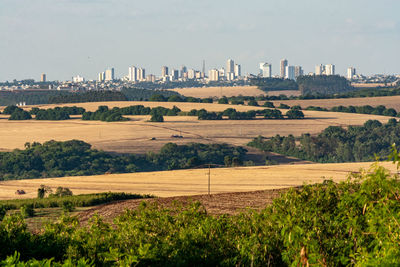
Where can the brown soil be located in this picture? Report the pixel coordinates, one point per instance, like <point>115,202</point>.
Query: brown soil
<point>215,204</point>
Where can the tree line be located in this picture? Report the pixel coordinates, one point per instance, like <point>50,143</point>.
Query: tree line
<point>336,144</point>
<point>366,109</point>
<point>74,158</point>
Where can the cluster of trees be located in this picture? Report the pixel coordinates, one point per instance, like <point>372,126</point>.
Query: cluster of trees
<point>103,113</point>
<point>336,144</point>
<point>58,113</point>
<point>274,84</point>
<point>354,222</point>
<point>71,158</point>
<point>233,114</point>
<point>90,96</point>
<point>367,109</point>
<point>179,98</point>
<point>29,97</point>
<point>324,84</point>
<point>143,94</point>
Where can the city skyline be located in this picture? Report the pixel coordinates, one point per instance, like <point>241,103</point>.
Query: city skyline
<point>69,37</point>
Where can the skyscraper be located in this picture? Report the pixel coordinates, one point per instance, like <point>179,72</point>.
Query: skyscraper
<point>43,78</point>
<point>213,75</point>
<point>319,69</point>
<point>175,74</point>
<point>102,76</point>
<point>298,71</point>
<point>284,64</point>
<point>266,70</point>
<point>141,74</point>
<point>164,71</point>
<point>230,67</point>
<point>132,75</point>
<point>238,70</point>
<point>290,73</point>
<point>329,69</point>
<point>351,72</point>
<point>109,75</point>
<point>183,71</point>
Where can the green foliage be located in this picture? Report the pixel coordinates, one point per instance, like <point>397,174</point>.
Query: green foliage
<point>51,114</point>
<point>62,192</point>
<point>91,96</point>
<point>68,206</point>
<point>274,84</point>
<point>104,114</point>
<point>336,144</point>
<point>53,201</point>
<point>30,97</point>
<point>294,113</point>
<point>223,100</point>
<point>43,190</point>
<point>323,84</point>
<point>142,94</point>
<point>268,104</point>
<point>204,115</point>
<point>157,117</point>
<point>284,106</point>
<point>11,109</point>
<point>71,158</point>
<point>20,114</point>
<point>27,211</point>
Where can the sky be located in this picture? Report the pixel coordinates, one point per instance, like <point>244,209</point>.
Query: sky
<point>65,38</point>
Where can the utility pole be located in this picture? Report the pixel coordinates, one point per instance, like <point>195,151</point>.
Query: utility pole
<point>209,179</point>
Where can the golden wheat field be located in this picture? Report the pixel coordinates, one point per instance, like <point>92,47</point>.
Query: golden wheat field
<point>203,92</point>
<point>135,136</point>
<point>194,181</point>
<point>387,101</point>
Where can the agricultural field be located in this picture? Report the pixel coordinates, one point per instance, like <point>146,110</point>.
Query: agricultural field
<point>192,181</point>
<point>140,136</point>
<point>204,92</point>
<point>387,101</point>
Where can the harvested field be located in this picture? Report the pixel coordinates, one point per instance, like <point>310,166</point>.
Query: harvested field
<point>215,204</point>
<point>193,181</point>
<point>387,101</point>
<point>204,92</point>
<point>135,136</point>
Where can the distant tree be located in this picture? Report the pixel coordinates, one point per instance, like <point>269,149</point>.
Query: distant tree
<point>223,100</point>
<point>157,118</point>
<point>295,114</point>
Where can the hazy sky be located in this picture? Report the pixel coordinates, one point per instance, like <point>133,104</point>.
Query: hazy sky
<point>64,38</point>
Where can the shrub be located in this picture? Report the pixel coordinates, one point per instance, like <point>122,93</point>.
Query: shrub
<point>295,114</point>
<point>68,206</point>
<point>157,118</point>
<point>284,106</point>
<point>268,104</point>
<point>27,211</point>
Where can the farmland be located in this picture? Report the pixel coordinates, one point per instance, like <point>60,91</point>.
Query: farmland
<point>193,181</point>
<point>135,136</point>
<point>387,101</point>
<point>203,92</point>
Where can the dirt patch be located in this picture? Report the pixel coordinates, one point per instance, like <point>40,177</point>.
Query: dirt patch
<point>215,204</point>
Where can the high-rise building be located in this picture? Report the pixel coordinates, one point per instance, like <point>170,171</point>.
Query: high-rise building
<point>284,64</point>
<point>191,74</point>
<point>102,76</point>
<point>213,75</point>
<point>230,67</point>
<point>290,73</point>
<point>109,75</point>
<point>351,72</point>
<point>151,78</point>
<point>164,71</point>
<point>175,74</point>
<point>238,70</point>
<point>183,71</point>
<point>43,78</point>
<point>329,69</point>
<point>141,74</point>
<point>298,71</point>
<point>132,75</point>
<point>319,69</point>
<point>266,70</point>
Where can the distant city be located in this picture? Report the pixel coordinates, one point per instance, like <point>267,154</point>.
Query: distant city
<point>230,74</point>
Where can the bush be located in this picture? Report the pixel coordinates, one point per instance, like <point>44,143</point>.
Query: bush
<point>27,211</point>
<point>223,100</point>
<point>62,192</point>
<point>20,115</point>
<point>295,114</point>
<point>157,118</point>
<point>284,106</point>
<point>268,104</point>
<point>68,206</point>
<point>253,103</point>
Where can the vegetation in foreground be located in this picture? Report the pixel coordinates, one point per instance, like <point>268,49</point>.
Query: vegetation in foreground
<point>73,158</point>
<point>355,223</point>
<point>337,144</point>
